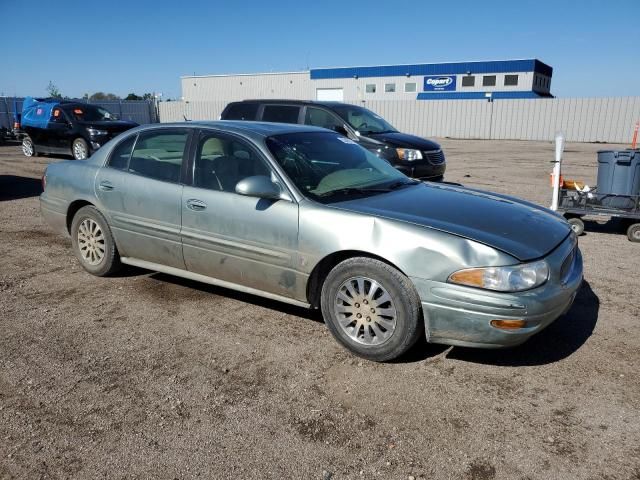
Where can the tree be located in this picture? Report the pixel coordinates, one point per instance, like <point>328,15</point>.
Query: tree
<point>101,96</point>
<point>133,96</point>
<point>53,90</point>
<point>147,96</point>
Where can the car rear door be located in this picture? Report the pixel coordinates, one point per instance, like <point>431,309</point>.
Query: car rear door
<point>141,192</point>
<point>239,239</point>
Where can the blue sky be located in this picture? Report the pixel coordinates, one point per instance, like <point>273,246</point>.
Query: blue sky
<point>142,46</point>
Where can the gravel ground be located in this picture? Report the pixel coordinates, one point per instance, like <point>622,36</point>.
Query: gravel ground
<point>150,376</point>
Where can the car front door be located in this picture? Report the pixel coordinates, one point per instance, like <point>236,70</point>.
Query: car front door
<point>59,132</point>
<point>141,192</point>
<point>235,238</point>
<point>319,117</point>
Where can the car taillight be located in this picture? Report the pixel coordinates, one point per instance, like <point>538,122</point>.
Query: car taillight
<point>16,125</point>
<point>44,181</point>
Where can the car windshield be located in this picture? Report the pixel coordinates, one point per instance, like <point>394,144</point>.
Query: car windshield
<point>328,167</point>
<point>362,120</point>
<point>90,113</point>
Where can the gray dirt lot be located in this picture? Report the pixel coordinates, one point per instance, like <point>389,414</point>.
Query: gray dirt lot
<point>150,376</point>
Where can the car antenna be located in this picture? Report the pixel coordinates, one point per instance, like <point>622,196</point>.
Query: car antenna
<point>185,118</point>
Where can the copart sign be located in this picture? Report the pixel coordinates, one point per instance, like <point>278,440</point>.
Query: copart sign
<point>439,83</point>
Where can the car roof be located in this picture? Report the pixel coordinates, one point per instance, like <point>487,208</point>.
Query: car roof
<point>325,103</point>
<point>256,129</point>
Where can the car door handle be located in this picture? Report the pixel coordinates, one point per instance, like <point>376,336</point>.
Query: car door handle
<point>105,186</point>
<point>196,205</point>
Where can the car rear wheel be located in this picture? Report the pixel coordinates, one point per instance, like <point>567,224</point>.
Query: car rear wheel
<point>371,308</point>
<point>80,149</point>
<point>27,147</point>
<point>93,242</point>
<point>633,232</point>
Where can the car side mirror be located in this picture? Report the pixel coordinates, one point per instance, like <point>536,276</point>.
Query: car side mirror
<point>259,186</point>
<point>341,130</point>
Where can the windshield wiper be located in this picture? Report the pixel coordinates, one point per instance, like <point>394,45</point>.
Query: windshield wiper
<point>374,132</point>
<point>388,188</point>
<point>348,190</point>
<point>402,183</point>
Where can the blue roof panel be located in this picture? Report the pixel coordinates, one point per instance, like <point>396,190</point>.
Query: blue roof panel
<point>477,95</point>
<point>499,66</point>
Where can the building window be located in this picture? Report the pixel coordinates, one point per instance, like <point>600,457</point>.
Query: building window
<point>510,80</point>
<point>489,81</point>
<point>469,81</point>
<point>370,88</point>
<point>410,87</point>
<point>389,87</point>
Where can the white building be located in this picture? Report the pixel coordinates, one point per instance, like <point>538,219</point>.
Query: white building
<point>500,79</point>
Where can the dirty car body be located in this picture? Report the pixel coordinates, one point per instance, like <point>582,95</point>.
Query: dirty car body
<point>287,220</point>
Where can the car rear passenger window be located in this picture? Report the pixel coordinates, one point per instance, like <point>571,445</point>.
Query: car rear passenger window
<point>221,162</point>
<point>241,111</point>
<point>158,154</point>
<point>120,155</point>
<point>281,114</point>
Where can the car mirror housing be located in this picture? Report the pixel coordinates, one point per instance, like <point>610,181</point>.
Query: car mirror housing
<point>259,186</point>
<point>341,130</point>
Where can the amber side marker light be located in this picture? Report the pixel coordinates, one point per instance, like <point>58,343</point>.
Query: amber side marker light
<point>508,324</point>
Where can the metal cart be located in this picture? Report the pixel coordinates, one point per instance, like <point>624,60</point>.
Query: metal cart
<point>574,205</point>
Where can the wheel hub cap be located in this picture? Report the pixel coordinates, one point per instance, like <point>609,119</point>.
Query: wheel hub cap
<point>365,311</point>
<point>91,242</point>
<point>27,148</point>
<point>79,151</point>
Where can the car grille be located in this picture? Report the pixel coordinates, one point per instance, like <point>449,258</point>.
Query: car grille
<point>434,157</point>
<point>567,266</point>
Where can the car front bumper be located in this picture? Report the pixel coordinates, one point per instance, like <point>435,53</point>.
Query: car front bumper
<point>458,315</point>
<point>422,169</point>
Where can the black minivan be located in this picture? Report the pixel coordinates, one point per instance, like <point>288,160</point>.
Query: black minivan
<point>67,127</point>
<point>414,156</point>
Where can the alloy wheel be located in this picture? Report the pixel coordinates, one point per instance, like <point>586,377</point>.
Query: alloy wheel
<point>91,242</point>
<point>365,311</point>
<point>79,151</point>
<point>27,148</point>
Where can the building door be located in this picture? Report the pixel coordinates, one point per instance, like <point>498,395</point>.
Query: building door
<point>330,94</point>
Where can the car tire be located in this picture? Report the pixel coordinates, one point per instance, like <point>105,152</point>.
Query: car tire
<point>577,225</point>
<point>28,148</point>
<point>93,242</point>
<point>633,232</point>
<point>371,308</point>
<point>80,149</point>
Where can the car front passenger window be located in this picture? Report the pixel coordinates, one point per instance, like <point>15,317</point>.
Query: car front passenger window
<point>222,162</point>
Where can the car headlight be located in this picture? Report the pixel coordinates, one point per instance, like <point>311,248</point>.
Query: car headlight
<point>409,154</point>
<point>514,278</point>
<point>94,132</point>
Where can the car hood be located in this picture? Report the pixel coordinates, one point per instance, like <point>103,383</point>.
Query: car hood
<point>397,139</point>
<point>519,228</point>
<point>111,125</point>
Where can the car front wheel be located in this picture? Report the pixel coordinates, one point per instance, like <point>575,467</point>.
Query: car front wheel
<point>371,308</point>
<point>80,149</point>
<point>93,242</point>
<point>27,147</point>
